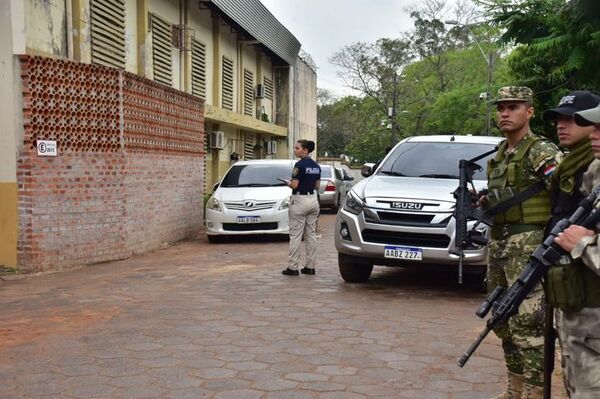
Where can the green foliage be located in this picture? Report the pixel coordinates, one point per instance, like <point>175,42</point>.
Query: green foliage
<point>341,123</point>
<point>442,71</point>
<point>558,46</point>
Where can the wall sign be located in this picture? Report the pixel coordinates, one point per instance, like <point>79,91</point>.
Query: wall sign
<point>47,148</point>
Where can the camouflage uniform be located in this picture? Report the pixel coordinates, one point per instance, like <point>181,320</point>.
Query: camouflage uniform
<point>515,236</point>
<point>579,330</point>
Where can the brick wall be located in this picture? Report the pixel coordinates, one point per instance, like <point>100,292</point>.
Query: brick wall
<point>129,171</point>
<point>164,200</point>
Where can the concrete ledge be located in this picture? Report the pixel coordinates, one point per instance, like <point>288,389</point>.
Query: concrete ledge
<point>245,122</point>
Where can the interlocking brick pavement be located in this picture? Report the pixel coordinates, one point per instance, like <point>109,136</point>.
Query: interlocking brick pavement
<point>199,320</point>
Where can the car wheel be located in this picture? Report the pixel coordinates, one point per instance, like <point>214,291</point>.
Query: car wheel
<point>354,269</point>
<point>336,206</point>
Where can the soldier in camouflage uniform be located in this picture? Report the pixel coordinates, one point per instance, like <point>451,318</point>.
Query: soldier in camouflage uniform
<point>523,160</point>
<point>578,322</point>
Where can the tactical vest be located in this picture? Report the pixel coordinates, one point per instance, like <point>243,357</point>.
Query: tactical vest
<point>506,177</point>
<point>564,204</point>
<point>572,287</point>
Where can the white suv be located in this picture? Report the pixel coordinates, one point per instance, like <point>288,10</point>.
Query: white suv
<point>402,213</point>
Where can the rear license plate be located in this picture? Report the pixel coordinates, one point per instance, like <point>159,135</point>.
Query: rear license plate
<point>408,253</point>
<point>248,219</point>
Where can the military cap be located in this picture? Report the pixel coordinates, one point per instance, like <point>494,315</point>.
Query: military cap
<point>588,117</point>
<point>514,93</point>
<point>574,102</point>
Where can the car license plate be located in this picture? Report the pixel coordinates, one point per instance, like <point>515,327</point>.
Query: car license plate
<point>408,253</point>
<point>248,219</point>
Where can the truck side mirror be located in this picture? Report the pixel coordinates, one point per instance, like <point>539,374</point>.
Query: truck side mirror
<point>367,169</point>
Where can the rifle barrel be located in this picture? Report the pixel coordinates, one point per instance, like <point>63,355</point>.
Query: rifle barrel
<point>467,355</point>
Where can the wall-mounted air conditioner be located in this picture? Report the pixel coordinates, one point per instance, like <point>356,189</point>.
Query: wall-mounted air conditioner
<point>260,91</point>
<point>216,140</point>
<point>271,147</point>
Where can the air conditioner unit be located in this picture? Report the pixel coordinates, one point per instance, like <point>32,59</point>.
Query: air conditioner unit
<point>271,147</point>
<point>260,91</point>
<point>216,140</point>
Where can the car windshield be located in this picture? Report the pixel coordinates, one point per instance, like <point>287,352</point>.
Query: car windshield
<point>434,160</point>
<point>257,175</point>
<point>326,172</point>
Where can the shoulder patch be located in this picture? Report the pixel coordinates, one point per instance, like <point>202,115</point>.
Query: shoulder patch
<point>295,172</point>
<point>544,152</point>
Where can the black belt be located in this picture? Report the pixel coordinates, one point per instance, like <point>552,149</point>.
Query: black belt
<point>305,193</point>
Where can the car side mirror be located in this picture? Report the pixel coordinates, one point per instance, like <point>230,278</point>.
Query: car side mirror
<point>367,169</point>
<point>216,186</point>
<point>349,178</point>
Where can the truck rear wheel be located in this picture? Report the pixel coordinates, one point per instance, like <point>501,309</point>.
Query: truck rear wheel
<point>354,269</point>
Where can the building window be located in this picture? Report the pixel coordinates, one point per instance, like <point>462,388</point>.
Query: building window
<point>268,88</point>
<point>227,84</point>
<point>198,69</point>
<point>162,58</point>
<point>249,146</point>
<point>107,24</point>
<point>248,92</point>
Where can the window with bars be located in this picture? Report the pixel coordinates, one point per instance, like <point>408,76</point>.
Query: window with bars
<point>198,69</point>
<point>162,58</point>
<point>107,24</point>
<point>248,92</point>
<point>268,88</point>
<point>227,84</point>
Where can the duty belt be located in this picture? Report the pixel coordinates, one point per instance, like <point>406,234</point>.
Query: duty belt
<point>303,193</point>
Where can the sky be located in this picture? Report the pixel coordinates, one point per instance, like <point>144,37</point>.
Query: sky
<point>326,26</point>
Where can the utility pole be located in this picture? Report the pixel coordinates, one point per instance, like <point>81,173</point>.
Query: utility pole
<point>392,111</point>
<point>488,98</point>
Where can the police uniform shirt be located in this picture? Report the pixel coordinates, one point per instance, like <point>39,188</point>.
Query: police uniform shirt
<point>307,172</point>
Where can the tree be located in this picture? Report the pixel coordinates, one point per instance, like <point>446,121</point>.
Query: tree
<point>558,45</point>
<point>370,68</point>
<point>342,121</point>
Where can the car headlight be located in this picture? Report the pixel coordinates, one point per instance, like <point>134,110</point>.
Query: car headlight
<point>285,204</point>
<point>213,204</point>
<point>353,204</point>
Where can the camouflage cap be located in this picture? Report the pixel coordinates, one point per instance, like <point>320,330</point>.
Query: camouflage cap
<point>514,93</point>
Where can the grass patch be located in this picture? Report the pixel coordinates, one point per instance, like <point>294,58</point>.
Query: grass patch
<point>6,270</point>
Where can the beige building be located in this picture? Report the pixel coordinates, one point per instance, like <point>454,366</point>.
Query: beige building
<point>259,94</point>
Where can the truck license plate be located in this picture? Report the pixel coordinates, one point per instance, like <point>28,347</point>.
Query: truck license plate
<point>248,219</point>
<point>407,253</point>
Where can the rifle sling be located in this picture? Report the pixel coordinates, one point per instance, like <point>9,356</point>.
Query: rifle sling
<point>514,200</point>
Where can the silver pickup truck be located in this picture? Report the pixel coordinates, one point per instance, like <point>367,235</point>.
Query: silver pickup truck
<point>402,213</point>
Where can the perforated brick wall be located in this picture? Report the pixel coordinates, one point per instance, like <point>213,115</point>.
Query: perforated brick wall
<point>129,171</point>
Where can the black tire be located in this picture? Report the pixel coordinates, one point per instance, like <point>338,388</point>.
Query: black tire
<point>354,269</point>
<point>336,206</point>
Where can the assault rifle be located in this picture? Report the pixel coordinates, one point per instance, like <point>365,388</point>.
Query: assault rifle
<point>464,210</point>
<point>540,261</point>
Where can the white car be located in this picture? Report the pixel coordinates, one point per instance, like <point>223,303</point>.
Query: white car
<point>402,213</point>
<point>250,200</point>
<point>333,189</point>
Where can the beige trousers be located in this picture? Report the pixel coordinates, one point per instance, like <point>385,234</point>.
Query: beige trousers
<point>579,336</point>
<point>304,211</point>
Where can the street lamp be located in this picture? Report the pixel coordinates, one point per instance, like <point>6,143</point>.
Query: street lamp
<point>490,65</point>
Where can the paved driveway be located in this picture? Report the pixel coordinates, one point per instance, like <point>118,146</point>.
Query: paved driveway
<point>220,321</point>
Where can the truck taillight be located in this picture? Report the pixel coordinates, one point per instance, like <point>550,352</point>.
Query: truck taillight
<point>330,186</point>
